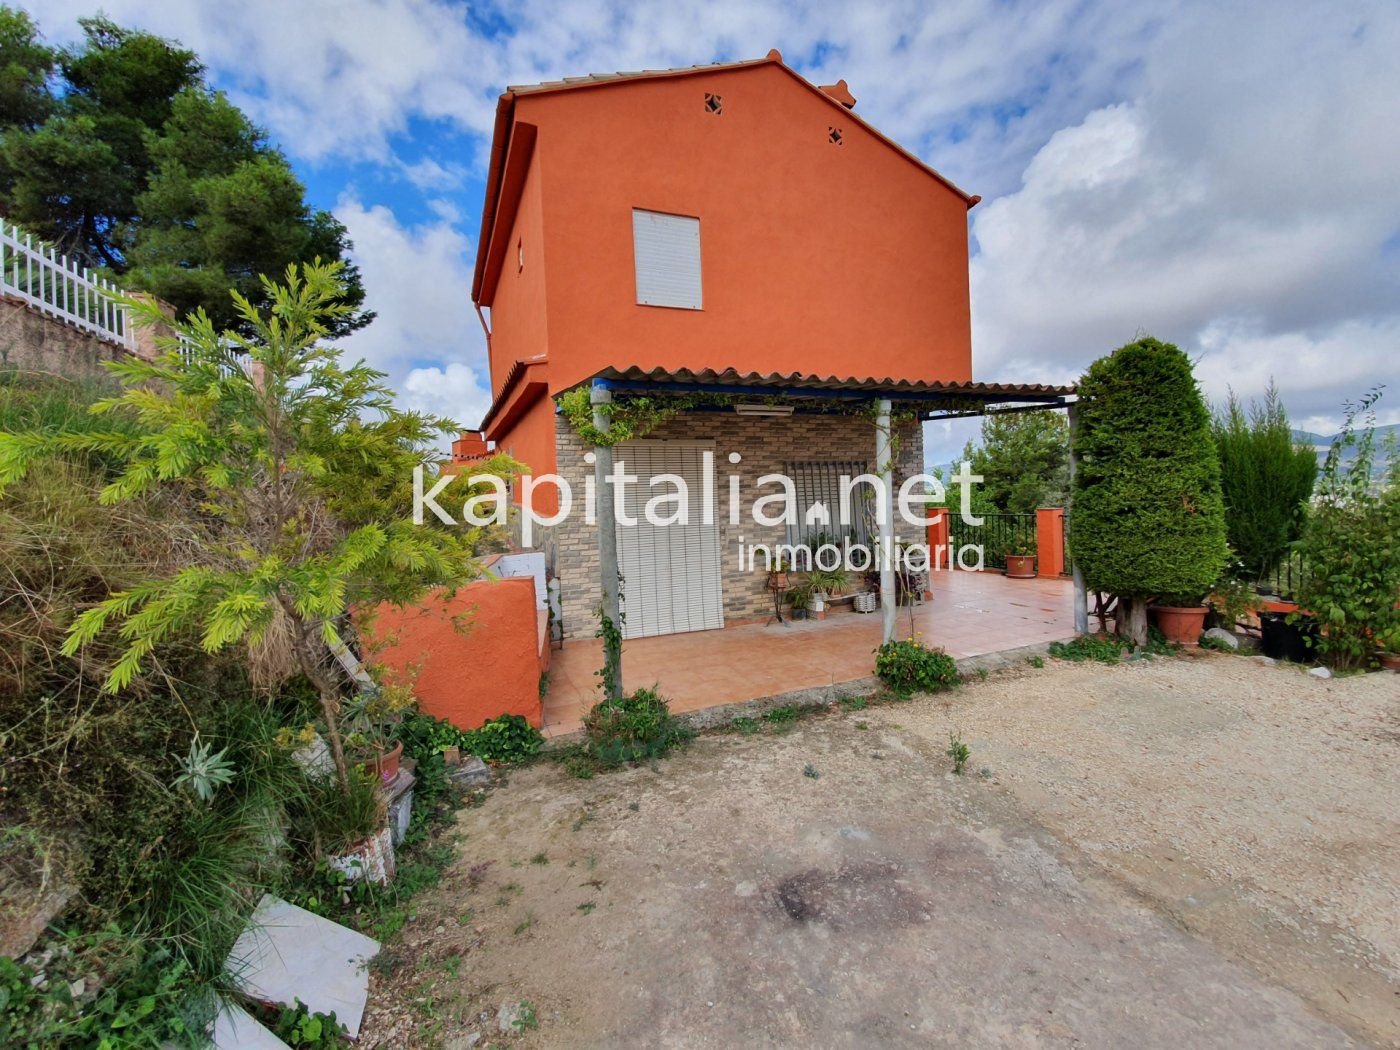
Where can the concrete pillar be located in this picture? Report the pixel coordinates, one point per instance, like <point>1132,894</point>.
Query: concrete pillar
<point>143,336</point>
<point>1050,541</point>
<point>600,396</point>
<point>1081,597</point>
<point>939,541</point>
<point>884,463</point>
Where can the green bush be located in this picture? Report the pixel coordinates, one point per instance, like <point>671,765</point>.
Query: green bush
<point>909,666</point>
<point>299,1027</point>
<point>633,728</point>
<point>506,739</point>
<point>1266,479</point>
<point>1148,515</point>
<point>1352,548</point>
<point>141,997</point>
<point>1104,650</point>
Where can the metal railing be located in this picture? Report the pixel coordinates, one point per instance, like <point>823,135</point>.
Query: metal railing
<point>53,284</point>
<point>1286,578</point>
<point>995,534</point>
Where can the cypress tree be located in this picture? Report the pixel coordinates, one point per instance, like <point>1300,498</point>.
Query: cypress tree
<point>1148,515</point>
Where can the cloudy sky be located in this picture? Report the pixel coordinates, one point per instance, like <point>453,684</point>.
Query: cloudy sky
<point>1222,175</point>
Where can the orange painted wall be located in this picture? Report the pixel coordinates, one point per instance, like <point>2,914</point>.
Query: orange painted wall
<point>846,260</point>
<point>469,677</point>
<point>519,320</point>
<point>531,440</point>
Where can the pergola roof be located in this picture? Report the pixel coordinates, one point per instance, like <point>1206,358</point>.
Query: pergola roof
<point>930,395</point>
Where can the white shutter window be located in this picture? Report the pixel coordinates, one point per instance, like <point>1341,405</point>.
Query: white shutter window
<point>667,252</point>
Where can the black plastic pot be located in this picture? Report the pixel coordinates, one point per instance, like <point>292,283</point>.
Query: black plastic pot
<point>1287,641</point>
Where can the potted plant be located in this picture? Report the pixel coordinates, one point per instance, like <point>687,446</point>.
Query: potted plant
<point>353,828</point>
<point>1020,558</point>
<point>1181,618</point>
<point>371,718</point>
<point>799,595</point>
<point>827,582</point>
<point>779,573</point>
<point>1389,654</point>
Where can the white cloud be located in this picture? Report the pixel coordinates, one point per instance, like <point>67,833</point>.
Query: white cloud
<point>428,174</point>
<point>1219,174</point>
<point>426,336</point>
<point>1240,206</point>
<point>455,392</point>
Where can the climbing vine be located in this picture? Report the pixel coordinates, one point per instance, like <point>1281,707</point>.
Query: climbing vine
<point>632,417</point>
<point>871,411</point>
<point>610,632</point>
<point>629,418</point>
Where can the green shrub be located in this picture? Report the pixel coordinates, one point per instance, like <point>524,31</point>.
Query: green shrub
<point>909,666</point>
<point>633,728</point>
<point>1266,479</point>
<point>299,1027</point>
<point>1352,548</point>
<point>1149,518</point>
<point>1104,650</point>
<point>506,739</point>
<point>144,997</point>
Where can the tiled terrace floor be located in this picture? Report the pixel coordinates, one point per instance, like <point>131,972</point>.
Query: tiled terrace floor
<point>972,613</point>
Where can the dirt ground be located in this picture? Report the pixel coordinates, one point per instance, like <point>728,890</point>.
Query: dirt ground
<point>1200,851</point>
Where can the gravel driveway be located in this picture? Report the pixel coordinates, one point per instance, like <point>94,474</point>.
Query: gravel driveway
<point>1199,851</point>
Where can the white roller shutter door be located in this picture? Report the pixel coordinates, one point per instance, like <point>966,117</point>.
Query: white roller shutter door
<point>671,573</point>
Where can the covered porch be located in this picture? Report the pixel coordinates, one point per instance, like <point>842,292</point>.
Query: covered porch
<point>966,613</point>
<point>970,614</point>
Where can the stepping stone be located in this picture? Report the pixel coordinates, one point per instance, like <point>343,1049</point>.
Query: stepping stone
<point>286,953</point>
<point>236,1029</point>
<point>473,772</point>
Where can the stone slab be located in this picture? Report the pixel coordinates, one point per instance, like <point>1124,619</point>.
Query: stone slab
<point>236,1029</point>
<point>287,953</point>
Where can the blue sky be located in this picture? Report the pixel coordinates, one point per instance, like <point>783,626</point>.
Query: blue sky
<point>1221,175</point>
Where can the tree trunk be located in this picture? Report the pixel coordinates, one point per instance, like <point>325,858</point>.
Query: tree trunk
<point>1132,620</point>
<point>330,701</point>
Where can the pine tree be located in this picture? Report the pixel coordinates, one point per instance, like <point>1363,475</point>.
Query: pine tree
<point>302,469</point>
<point>118,153</point>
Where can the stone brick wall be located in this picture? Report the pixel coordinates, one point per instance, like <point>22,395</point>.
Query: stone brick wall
<point>31,341</point>
<point>765,444</point>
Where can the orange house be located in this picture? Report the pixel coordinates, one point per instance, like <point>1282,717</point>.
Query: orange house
<point>732,231</point>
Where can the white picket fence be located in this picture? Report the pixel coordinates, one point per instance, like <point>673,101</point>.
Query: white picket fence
<point>55,285</point>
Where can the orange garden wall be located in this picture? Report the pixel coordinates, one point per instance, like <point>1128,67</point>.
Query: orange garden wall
<point>468,674</point>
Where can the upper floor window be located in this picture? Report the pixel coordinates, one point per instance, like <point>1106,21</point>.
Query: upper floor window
<point>667,252</point>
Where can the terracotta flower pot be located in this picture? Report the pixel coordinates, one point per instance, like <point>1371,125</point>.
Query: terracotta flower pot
<point>1390,661</point>
<point>778,581</point>
<point>1182,625</point>
<point>1020,566</point>
<point>386,764</point>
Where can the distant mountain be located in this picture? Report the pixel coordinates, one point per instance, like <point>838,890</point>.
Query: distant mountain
<point>1322,444</point>
<point>1324,441</point>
